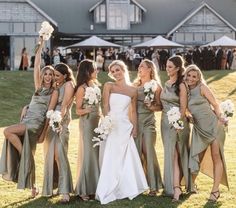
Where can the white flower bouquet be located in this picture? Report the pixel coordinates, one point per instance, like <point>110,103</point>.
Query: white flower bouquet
<point>149,91</point>
<point>103,129</point>
<point>227,108</point>
<point>46,30</point>
<point>54,120</point>
<point>92,96</point>
<point>45,33</point>
<point>174,118</point>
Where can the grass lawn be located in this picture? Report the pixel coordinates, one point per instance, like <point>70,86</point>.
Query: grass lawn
<point>15,91</point>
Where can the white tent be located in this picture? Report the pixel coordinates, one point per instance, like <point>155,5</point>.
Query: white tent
<point>94,42</point>
<point>224,41</point>
<point>159,42</point>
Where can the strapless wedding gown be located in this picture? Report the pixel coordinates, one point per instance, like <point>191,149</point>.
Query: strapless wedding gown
<point>121,175</point>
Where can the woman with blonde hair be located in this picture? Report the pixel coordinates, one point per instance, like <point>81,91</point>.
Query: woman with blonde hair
<point>121,173</point>
<point>208,135</point>
<point>146,138</point>
<point>57,173</point>
<point>17,160</point>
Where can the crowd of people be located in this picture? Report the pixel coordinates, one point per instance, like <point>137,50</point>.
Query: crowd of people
<point>125,164</point>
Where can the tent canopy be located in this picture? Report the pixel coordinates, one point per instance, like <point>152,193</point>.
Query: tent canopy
<point>159,42</point>
<point>224,41</point>
<point>94,42</point>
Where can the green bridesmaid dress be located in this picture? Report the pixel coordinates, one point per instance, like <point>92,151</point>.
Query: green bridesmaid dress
<point>147,139</point>
<point>206,128</point>
<point>58,176</point>
<point>88,167</point>
<point>22,169</point>
<point>170,138</point>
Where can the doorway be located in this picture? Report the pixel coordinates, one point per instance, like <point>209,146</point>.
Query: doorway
<point>4,52</point>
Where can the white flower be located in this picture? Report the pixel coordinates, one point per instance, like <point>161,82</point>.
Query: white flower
<point>92,95</point>
<point>104,127</point>
<point>46,30</point>
<point>174,116</point>
<point>54,120</point>
<point>149,90</point>
<point>227,108</point>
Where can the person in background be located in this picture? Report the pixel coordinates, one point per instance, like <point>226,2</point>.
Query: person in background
<point>24,63</point>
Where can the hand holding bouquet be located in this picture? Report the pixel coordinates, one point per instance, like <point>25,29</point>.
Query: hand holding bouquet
<point>103,129</point>
<point>227,108</point>
<point>55,120</point>
<point>174,118</point>
<point>149,91</point>
<point>44,33</point>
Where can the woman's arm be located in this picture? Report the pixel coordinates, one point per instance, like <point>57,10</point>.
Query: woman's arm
<point>79,102</point>
<point>208,94</point>
<point>37,64</point>
<point>105,98</point>
<point>51,106</point>
<point>183,97</point>
<point>23,112</point>
<point>134,114</point>
<point>157,106</point>
<point>67,99</point>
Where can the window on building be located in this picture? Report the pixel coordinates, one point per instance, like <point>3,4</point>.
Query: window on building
<point>135,14</point>
<point>100,14</point>
<point>118,15</point>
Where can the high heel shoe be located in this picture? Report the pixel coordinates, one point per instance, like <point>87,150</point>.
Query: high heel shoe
<point>65,198</point>
<point>34,192</point>
<point>176,198</point>
<point>214,196</point>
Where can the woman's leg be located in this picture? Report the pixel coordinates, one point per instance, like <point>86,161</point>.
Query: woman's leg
<point>176,176</point>
<point>218,169</point>
<point>65,198</point>
<point>13,133</point>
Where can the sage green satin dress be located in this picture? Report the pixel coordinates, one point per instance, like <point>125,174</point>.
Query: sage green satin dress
<point>88,164</point>
<point>22,169</point>
<point>206,129</point>
<point>146,140</point>
<point>58,176</point>
<point>171,138</point>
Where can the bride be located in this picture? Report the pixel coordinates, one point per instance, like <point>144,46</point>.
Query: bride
<point>121,175</point>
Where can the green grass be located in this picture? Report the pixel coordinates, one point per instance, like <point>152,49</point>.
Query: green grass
<point>15,91</point>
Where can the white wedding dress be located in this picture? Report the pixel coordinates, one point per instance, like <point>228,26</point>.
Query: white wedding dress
<point>122,174</point>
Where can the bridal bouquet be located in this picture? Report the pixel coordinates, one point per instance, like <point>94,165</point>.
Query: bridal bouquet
<point>54,120</point>
<point>149,91</point>
<point>228,109</point>
<point>45,33</point>
<point>46,30</point>
<point>174,118</point>
<point>103,129</point>
<point>92,95</point>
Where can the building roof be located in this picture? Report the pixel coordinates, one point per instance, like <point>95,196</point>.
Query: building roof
<point>161,16</point>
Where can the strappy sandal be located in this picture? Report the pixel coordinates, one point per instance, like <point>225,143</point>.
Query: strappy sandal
<point>34,192</point>
<point>152,193</point>
<point>216,195</point>
<point>195,189</point>
<point>175,199</point>
<point>65,199</point>
<point>85,198</point>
